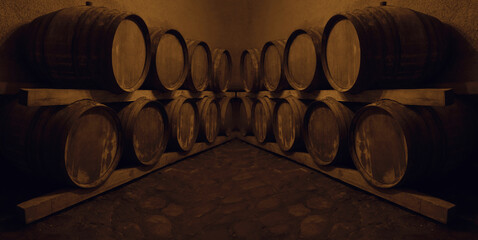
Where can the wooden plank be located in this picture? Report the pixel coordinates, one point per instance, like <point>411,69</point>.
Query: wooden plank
<point>52,97</point>
<point>48,204</point>
<point>428,206</point>
<point>422,97</point>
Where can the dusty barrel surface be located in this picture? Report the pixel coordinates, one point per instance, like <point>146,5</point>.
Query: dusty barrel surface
<point>228,116</point>
<point>392,144</point>
<point>170,57</point>
<point>183,118</point>
<point>326,131</point>
<point>222,69</point>
<point>245,115</point>
<point>302,60</point>
<point>249,70</point>
<point>262,115</point>
<point>271,66</point>
<point>90,47</point>
<point>78,145</point>
<point>209,119</point>
<point>382,47</point>
<point>146,131</point>
<point>200,66</point>
<point>287,123</point>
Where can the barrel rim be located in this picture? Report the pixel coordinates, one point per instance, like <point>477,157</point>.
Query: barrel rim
<point>297,128</point>
<point>179,102</point>
<point>247,102</point>
<point>182,77</point>
<point>353,153</point>
<point>224,104</point>
<point>217,61</point>
<point>255,84</point>
<point>189,81</point>
<point>108,48</point>
<point>269,129</point>
<point>204,105</point>
<point>262,70</point>
<point>70,124</point>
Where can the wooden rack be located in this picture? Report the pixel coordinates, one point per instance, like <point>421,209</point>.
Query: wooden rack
<point>429,206</point>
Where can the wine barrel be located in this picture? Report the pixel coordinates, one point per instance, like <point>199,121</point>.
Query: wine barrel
<point>77,145</point>
<point>222,63</point>
<point>262,113</point>
<point>146,131</point>
<point>90,47</point>
<point>393,145</point>
<point>302,62</point>
<point>271,66</point>
<point>250,74</point>
<point>287,124</point>
<point>200,66</point>
<point>228,116</point>
<point>169,65</point>
<point>245,116</point>
<point>326,128</point>
<point>184,124</point>
<point>209,119</point>
<point>382,47</point>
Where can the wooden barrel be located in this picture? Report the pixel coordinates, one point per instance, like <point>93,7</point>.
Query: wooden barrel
<point>200,66</point>
<point>209,119</point>
<point>392,144</point>
<point>169,65</point>
<point>287,123</point>
<point>326,128</point>
<point>184,124</point>
<point>245,116</point>
<point>262,113</point>
<point>222,63</point>
<point>302,64</point>
<point>250,74</point>
<point>382,47</point>
<point>76,145</point>
<point>146,131</point>
<point>271,66</point>
<point>90,47</point>
<point>228,116</point>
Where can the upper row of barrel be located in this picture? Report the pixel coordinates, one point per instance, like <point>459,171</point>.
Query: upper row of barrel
<point>97,47</point>
<point>376,47</point>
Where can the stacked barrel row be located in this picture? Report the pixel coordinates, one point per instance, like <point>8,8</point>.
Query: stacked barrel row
<point>389,143</point>
<point>377,47</point>
<point>99,48</point>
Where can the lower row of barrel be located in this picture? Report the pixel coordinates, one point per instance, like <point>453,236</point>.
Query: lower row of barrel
<point>389,143</point>
<point>370,48</point>
<point>97,47</point>
<point>81,144</point>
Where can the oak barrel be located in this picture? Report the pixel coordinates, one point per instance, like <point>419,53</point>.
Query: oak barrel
<point>382,47</point>
<point>200,66</point>
<point>245,115</point>
<point>302,61</point>
<point>228,116</point>
<point>90,47</point>
<point>262,113</point>
<point>146,131</point>
<point>183,118</point>
<point>209,119</point>
<point>326,129</point>
<point>77,145</point>
<point>170,57</point>
<point>222,70</point>
<point>249,70</point>
<point>271,66</point>
<point>287,123</point>
<point>392,144</point>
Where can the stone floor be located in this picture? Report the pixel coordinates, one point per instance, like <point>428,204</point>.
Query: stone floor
<point>236,191</point>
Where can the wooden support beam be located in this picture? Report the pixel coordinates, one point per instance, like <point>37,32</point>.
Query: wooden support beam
<point>52,97</point>
<point>426,205</point>
<point>48,204</point>
<point>422,97</point>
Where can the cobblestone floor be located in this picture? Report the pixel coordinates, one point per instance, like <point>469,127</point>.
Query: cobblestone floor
<point>236,191</point>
